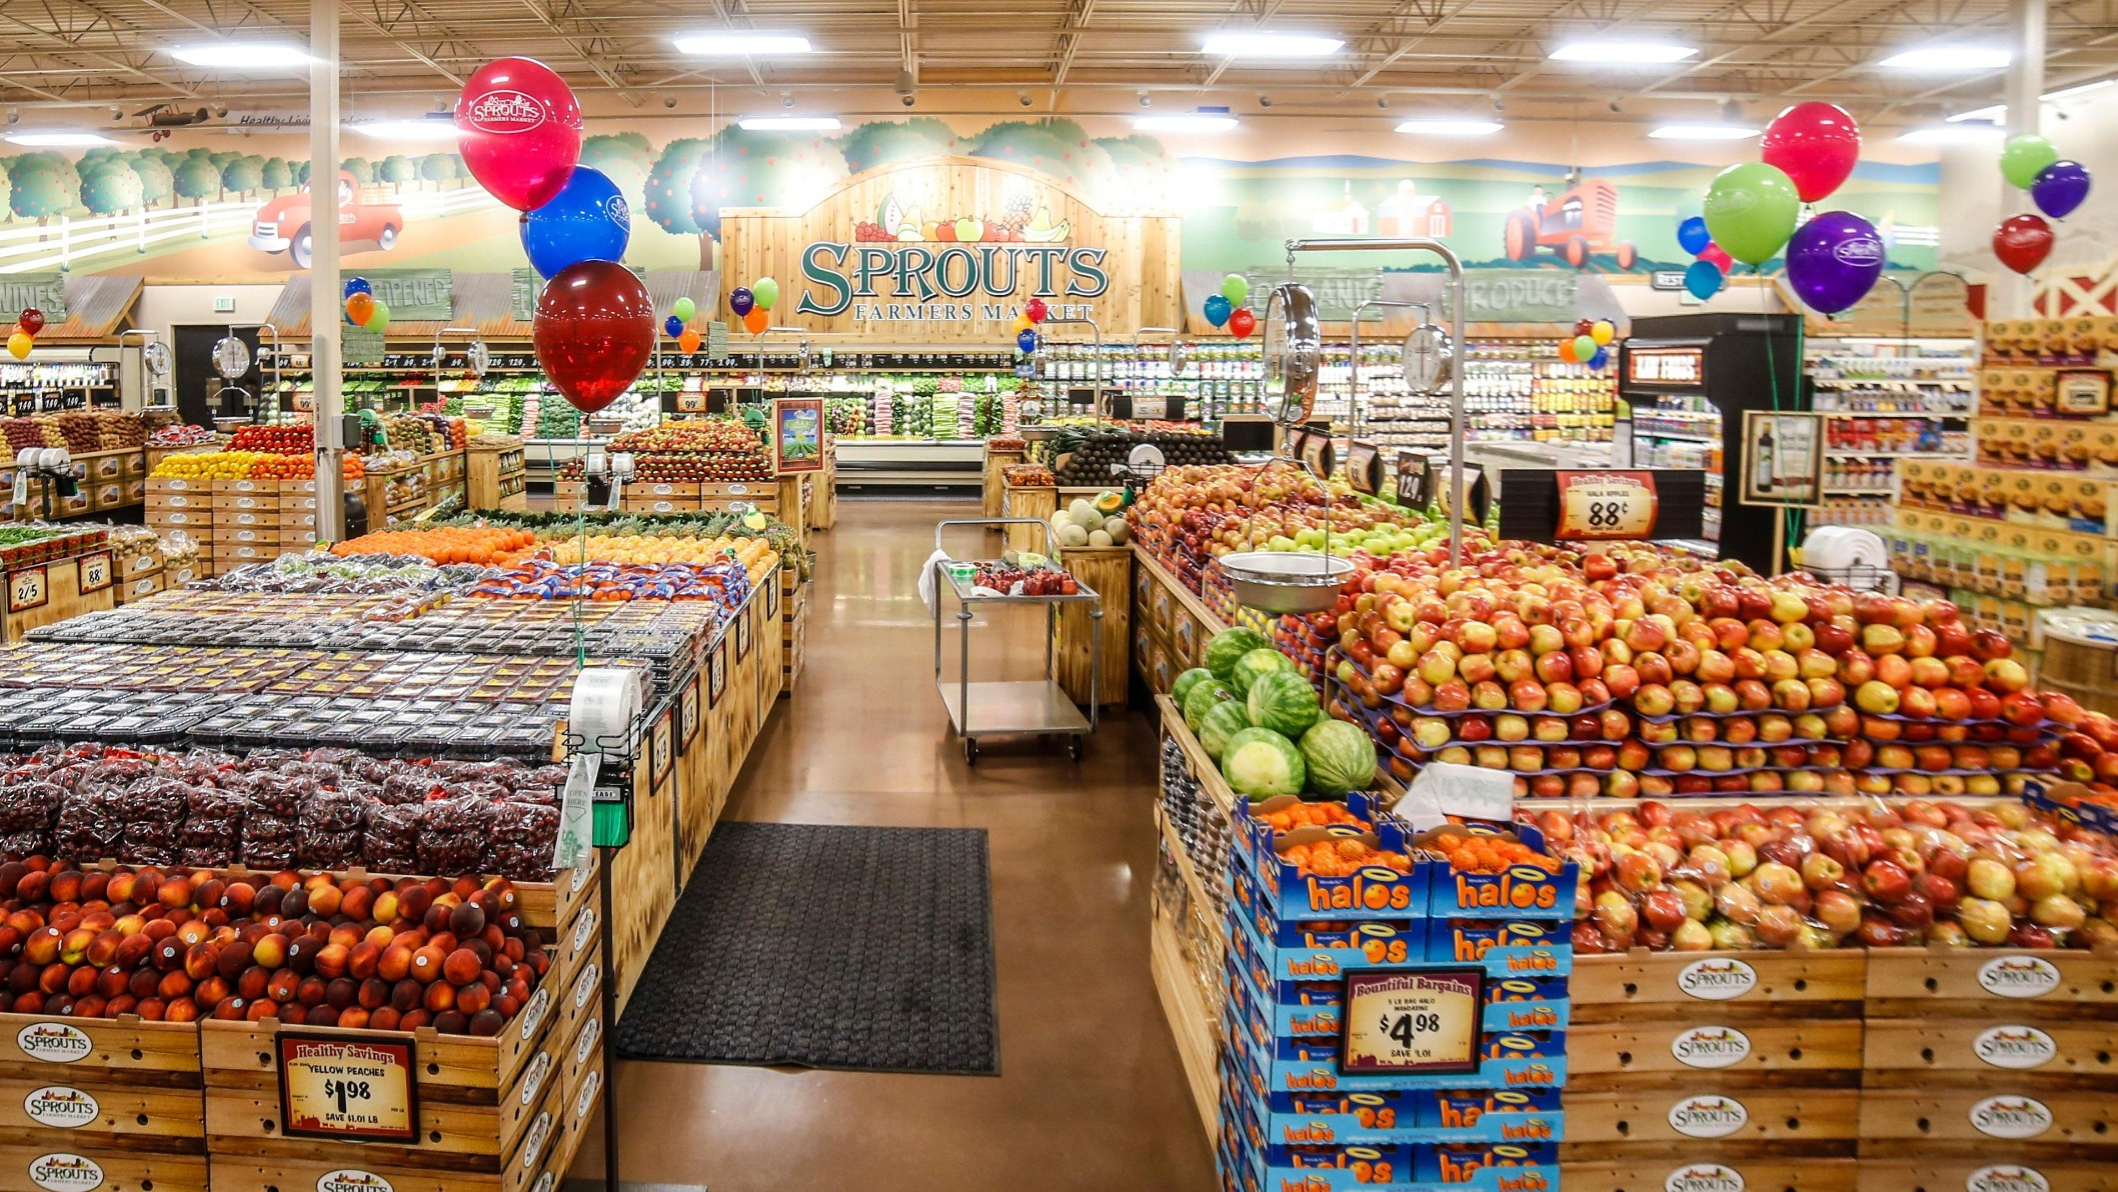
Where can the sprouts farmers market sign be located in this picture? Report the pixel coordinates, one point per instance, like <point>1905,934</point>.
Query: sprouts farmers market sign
<point>948,282</point>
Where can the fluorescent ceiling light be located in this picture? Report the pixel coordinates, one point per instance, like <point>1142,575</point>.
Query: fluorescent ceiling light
<point>1998,112</point>
<point>58,140</point>
<point>1264,44</point>
<point>1623,51</point>
<point>2078,89</point>
<point>1987,115</point>
<point>1952,134</point>
<point>1447,126</point>
<point>1948,58</point>
<point>1186,122</point>
<point>255,55</point>
<point>730,43</point>
<point>409,130</point>
<point>788,123</point>
<point>1703,132</point>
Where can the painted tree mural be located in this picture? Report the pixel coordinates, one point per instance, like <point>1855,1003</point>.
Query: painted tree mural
<point>109,187</point>
<point>157,180</point>
<point>197,179</point>
<point>243,175</point>
<point>44,185</point>
<point>396,169</point>
<point>881,143</point>
<point>277,176</point>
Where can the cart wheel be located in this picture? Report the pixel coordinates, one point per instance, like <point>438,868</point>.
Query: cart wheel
<point>1073,747</point>
<point>970,751</point>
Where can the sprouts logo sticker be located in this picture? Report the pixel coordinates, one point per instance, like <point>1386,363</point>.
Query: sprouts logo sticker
<point>2007,1178</point>
<point>62,1107</point>
<point>2011,1117</point>
<point>1710,1047</point>
<point>1709,1116</point>
<point>1860,251</point>
<point>2014,1047</point>
<point>53,1042</point>
<point>2018,976</point>
<point>617,210</point>
<point>1717,980</point>
<point>1704,1177</point>
<point>505,111</point>
<point>352,1179</point>
<point>63,1172</point>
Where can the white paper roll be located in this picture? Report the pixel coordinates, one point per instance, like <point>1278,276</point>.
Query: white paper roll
<point>607,699</point>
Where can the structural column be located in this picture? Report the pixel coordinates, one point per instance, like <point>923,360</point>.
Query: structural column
<point>324,320</point>
<point>2025,111</point>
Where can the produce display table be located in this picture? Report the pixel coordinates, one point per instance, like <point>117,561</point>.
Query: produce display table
<point>997,462</point>
<point>1105,569</point>
<point>496,476</point>
<point>50,580</point>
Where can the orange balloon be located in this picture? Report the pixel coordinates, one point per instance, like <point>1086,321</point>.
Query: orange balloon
<point>359,308</point>
<point>688,342</point>
<point>1566,352</point>
<point>757,320</point>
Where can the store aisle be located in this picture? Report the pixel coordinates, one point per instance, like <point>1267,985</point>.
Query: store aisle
<point>1091,1095</point>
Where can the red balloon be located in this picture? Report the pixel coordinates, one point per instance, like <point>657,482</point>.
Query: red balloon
<point>594,329</point>
<point>1813,143</point>
<point>1241,323</point>
<point>2022,242</point>
<point>1035,310</point>
<point>32,320</point>
<point>518,127</point>
<point>1720,258</point>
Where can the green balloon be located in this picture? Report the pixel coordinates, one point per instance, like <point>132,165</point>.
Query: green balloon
<point>1584,347</point>
<point>765,292</point>
<point>1750,211</point>
<point>1236,288</point>
<point>685,309</point>
<point>2025,157</point>
<point>380,318</point>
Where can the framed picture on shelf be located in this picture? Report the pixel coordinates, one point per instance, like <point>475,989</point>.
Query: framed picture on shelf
<point>1783,458</point>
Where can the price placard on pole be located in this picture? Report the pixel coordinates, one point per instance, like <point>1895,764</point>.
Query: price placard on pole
<point>347,1086</point>
<point>1606,505</point>
<point>1412,1020</point>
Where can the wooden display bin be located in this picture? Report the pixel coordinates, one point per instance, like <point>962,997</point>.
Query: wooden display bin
<point>997,462</point>
<point>495,477</point>
<point>1109,570</point>
<point>39,594</point>
<point>1040,501</point>
<point>120,1097</point>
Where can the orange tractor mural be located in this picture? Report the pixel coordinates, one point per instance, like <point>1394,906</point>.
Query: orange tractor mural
<point>1578,223</point>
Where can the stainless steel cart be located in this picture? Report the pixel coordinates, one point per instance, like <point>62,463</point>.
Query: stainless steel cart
<point>1014,706</point>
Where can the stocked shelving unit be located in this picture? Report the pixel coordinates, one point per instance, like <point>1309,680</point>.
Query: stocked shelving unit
<point>58,380</point>
<point>1887,401</point>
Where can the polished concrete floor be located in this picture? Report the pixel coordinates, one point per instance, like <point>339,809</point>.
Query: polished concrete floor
<point>1091,1097</point>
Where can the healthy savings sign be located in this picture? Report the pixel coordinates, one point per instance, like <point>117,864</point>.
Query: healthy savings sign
<point>957,246</point>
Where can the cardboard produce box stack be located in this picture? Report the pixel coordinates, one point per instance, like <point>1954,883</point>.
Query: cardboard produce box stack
<point>256,521</point>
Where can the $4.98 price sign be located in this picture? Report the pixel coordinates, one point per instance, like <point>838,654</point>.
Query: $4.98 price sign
<point>347,1086</point>
<point>1606,505</point>
<point>1412,1020</point>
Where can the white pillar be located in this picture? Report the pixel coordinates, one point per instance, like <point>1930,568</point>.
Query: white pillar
<point>324,318</point>
<point>2025,111</point>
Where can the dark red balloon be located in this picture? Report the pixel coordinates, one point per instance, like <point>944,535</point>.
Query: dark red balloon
<point>31,320</point>
<point>1241,323</point>
<point>2022,242</point>
<point>518,127</point>
<point>1815,144</point>
<point>594,329</point>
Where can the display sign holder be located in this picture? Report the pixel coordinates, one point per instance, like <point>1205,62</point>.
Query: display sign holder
<point>345,1086</point>
<point>798,434</point>
<point>1607,505</point>
<point>1423,1021</point>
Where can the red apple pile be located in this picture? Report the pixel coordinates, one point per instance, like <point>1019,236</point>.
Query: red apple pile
<point>1666,878</point>
<point>179,946</point>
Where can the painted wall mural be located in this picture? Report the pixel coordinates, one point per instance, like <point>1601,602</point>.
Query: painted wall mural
<point>216,205</point>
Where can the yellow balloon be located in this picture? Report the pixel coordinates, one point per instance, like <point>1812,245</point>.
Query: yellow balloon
<point>1022,324</point>
<point>1603,331</point>
<point>18,345</point>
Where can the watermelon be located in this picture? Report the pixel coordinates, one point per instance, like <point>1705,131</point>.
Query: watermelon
<point>1283,702</point>
<point>1225,647</point>
<point>1260,763</point>
<point>1257,663</point>
<point>1340,757</point>
<point>1186,681</point>
<point>1221,722</point>
<point>1201,699</point>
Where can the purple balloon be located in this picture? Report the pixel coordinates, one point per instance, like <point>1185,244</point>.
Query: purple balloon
<point>740,300</point>
<point>2060,188</point>
<point>1833,260</point>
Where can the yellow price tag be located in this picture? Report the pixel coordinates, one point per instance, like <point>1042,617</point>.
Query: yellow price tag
<point>1412,1020</point>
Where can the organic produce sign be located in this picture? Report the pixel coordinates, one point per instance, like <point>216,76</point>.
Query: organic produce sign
<point>1413,1020</point>
<point>1603,505</point>
<point>339,1086</point>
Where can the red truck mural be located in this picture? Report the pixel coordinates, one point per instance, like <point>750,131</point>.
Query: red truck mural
<point>282,225</point>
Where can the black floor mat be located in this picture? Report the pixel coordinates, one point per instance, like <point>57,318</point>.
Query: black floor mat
<point>827,947</point>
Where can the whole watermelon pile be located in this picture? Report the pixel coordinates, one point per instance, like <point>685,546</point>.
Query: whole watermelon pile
<point>1261,721</point>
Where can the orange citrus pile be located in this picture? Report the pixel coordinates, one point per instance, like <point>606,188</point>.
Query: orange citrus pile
<point>1490,854</point>
<point>1342,856</point>
<point>484,545</point>
<point>1312,815</point>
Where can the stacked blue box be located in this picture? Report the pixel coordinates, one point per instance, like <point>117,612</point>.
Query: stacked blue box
<point>1295,1115</point>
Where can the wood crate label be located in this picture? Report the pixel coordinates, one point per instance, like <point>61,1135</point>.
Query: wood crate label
<point>540,1004</point>
<point>2011,1117</point>
<point>584,928</point>
<point>1717,980</point>
<point>1708,1116</point>
<point>591,1031</point>
<point>61,1107</point>
<point>533,1079</point>
<point>2017,1047</point>
<point>540,1132</point>
<point>97,573</point>
<point>544,1182</point>
<point>53,1042</point>
<point>1423,1020</point>
<point>577,879</point>
<point>585,984</point>
<point>1704,1177</point>
<point>62,1171</point>
<point>585,1100</point>
<point>352,1179</point>
<point>1710,1047</point>
<point>347,1086</point>
<point>2018,976</point>
<point>2007,1177</point>
<point>27,589</point>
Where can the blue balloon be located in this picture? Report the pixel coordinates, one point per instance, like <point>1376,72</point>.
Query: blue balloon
<point>1218,308</point>
<point>1702,280</point>
<point>1026,341</point>
<point>1601,359</point>
<point>586,221</point>
<point>740,300</point>
<point>1692,235</point>
<point>2060,188</point>
<point>356,285</point>
<point>672,326</point>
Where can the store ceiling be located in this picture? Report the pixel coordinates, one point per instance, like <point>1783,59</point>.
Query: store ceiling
<point>1077,56</point>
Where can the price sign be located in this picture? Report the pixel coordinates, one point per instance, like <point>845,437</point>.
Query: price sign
<point>717,673</point>
<point>347,1086</point>
<point>688,711</point>
<point>691,403</point>
<point>659,748</point>
<point>1364,468</point>
<point>96,572</point>
<point>1412,1020</point>
<point>742,636</point>
<point>27,589</point>
<point>1598,505</point>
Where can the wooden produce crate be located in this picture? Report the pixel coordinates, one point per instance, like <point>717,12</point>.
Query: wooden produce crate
<point>494,477</point>
<point>1764,1174</point>
<point>38,594</point>
<point>1038,501</point>
<point>123,1097</point>
<point>997,462</point>
<point>1109,570</point>
<point>723,495</point>
<point>823,511</point>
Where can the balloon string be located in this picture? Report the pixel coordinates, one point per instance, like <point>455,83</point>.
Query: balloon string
<point>1790,516</point>
<point>580,575</point>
